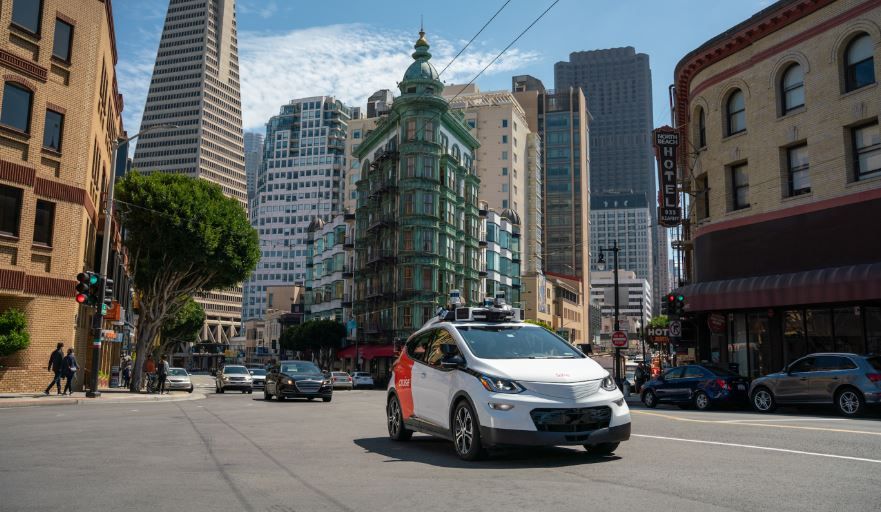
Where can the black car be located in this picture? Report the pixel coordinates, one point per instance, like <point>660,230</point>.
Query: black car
<point>698,385</point>
<point>297,379</point>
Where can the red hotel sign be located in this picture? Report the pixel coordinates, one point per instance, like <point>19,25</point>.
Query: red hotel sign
<point>666,146</point>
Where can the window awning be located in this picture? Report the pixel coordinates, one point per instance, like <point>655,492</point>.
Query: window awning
<point>828,285</point>
<point>367,352</point>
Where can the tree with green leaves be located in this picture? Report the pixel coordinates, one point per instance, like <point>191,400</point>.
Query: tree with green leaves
<point>659,322</point>
<point>13,332</point>
<point>540,323</point>
<point>183,236</point>
<point>321,336</point>
<point>182,327</point>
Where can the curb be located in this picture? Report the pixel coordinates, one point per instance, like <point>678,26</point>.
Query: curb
<point>81,401</point>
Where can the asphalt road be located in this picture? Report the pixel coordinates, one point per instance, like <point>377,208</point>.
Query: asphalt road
<point>236,452</point>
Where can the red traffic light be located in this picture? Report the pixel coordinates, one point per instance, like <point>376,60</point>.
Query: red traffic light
<point>81,298</point>
<point>671,298</point>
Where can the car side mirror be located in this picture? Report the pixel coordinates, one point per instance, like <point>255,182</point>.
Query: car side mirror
<point>453,361</point>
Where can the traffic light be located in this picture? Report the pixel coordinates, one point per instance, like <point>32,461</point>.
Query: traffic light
<point>107,283</point>
<point>680,304</point>
<point>668,305</point>
<point>87,288</point>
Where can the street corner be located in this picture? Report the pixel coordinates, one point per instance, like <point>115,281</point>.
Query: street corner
<point>107,397</point>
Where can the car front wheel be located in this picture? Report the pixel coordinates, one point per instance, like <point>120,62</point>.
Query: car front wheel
<point>849,402</point>
<point>650,399</point>
<point>763,400</point>
<point>396,429</point>
<point>701,401</point>
<point>466,433</point>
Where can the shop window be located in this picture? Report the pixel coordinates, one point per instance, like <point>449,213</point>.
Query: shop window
<point>63,40</point>
<point>10,210</point>
<point>53,130</point>
<point>819,330</point>
<point>848,329</point>
<point>792,89</point>
<point>761,358</point>
<point>873,329</point>
<point>735,111</point>
<point>859,63</point>
<point>793,335</point>
<point>738,357</point>
<point>16,109</point>
<point>27,14</point>
<point>44,222</point>
<point>866,150</point>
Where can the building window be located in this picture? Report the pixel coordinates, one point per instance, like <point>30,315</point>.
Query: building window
<point>427,279</point>
<point>735,110</point>
<point>408,240</point>
<point>427,241</point>
<point>26,14</point>
<point>859,64</point>
<point>428,167</point>
<point>504,123</point>
<point>504,139</point>
<point>867,150</point>
<point>472,123</point>
<point>703,196</point>
<point>701,129</point>
<point>504,171</point>
<point>356,134</point>
<point>411,167</point>
<point>740,189</point>
<point>16,109</point>
<point>793,88</point>
<point>411,129</point>
<point>63,40</point>
<point>798,170</point>
<point>429,131</point>
<point>428,203</point>
<point>52,130</point>
<point>407,316</point>
<point>504,155</point>
<point>10,210</point>
<point>408,204</point>
<point>408,278</point>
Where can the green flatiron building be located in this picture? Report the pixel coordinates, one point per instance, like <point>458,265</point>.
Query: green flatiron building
<point>417,226</point>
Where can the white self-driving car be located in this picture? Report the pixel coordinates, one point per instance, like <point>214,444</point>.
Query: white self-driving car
<point>480,377</point>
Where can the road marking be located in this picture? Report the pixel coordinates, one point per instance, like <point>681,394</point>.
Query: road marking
<point>786,420</point>
<point>767,425</point>
<point>754,447</point>
<point>134,410</point>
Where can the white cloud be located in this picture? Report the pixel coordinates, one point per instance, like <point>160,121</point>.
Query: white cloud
<point>349,62</point>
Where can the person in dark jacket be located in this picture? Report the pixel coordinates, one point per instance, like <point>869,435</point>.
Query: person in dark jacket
<point>55,366</point>
<point>162,373</point>
<point>69,367</point>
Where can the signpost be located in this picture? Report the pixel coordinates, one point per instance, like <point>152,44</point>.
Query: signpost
<point>619,339</point>
<point>675,327</point>
<point>666,145</point>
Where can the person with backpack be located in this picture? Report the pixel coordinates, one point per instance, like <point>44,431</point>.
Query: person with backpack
<point>162,372</point>
<point>55,366</point>
<point>69,367</point>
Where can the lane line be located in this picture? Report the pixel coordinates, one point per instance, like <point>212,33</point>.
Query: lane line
<point>766,425</point>
<point>786,420</point>
<point>754,447</point>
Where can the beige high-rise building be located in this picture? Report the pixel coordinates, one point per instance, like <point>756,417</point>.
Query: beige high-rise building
<point>59,111</point>
<point>195,85</point>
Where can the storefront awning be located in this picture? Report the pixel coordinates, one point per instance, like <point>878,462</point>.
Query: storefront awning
<point>822,286</point>
<point>367,352</point>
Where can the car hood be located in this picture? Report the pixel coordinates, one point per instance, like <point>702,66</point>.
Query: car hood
<point>304,376</point>
<point>542,370</point>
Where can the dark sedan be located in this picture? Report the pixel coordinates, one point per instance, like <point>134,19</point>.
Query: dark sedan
<point>701,386</point>
<point>297,379</point>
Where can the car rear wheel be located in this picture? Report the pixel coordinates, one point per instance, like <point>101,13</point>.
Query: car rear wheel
<point>396,429</point>
<point>326,398</point>
<point>190,390</point>
<point>849,402</point>
<point>466,433</point>
<point>763,400</point>
<point>601,449</point>
<point>701,401</point>
<point>279,397</point>
<point>649,399</point>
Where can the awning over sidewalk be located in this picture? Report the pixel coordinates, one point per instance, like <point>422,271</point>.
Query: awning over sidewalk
<point>828,285</point>
<point>367,352</point>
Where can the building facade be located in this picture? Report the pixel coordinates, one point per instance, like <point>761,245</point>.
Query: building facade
<point>59,113</point>
<point>417,218</point>
<point>783,110</point>
<point>635,300</point>
<point>195,85</point>
<point>253,160</point>
<point>624,219</point>
<point>300,179</point>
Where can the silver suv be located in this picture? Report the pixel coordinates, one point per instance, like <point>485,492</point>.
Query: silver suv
<point>848,381</point>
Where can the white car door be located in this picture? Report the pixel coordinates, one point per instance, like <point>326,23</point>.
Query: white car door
<point>438,380</point>
<point>419,383</point>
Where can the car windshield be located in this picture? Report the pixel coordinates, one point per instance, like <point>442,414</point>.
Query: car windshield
<point>180,372</point>
<point>234,370</point>
<point>875,362</point>
<point>361,374</point>
<point>489,342</point>
<point>340,374</point>
<point>720,372</point>
<point>301,367</point>
<point>257,371</point>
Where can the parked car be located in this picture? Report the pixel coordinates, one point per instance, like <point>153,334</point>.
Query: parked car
<point>342,380</point>
<point>258,375</point>
<point>297,379</point>
<point>847,381</point>
<point>178,378</point>
<point>362,380</point>
<point>234,376</point>
<point>699,385</point>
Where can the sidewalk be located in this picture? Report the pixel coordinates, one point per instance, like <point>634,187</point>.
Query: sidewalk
<point>108,396</point>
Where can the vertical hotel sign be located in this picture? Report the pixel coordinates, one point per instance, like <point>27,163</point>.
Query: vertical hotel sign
<point>666,148</point>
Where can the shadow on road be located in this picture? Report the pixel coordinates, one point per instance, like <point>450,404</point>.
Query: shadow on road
<point>439,452</point>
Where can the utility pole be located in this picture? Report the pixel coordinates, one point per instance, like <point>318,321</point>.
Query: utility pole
<point>601,265</point>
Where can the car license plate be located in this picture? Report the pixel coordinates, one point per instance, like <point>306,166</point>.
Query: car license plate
<point>741,387</point>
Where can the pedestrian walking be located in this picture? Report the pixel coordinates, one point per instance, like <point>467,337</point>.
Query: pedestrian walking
<point>127,374</point>
<point>70,367</point>
<point>150,372</point>
<point>162,372</point>
<point>55,366</point>
<point>640,376</point>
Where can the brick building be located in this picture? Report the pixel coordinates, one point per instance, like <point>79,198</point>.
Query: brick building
<point>59,112</point>
<point>781,115</point>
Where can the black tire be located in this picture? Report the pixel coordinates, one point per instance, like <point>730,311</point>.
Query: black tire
<point>326,399</point>
<point>650,399</point>
<point>702,401</point>
<point>601,449</point>
<point>763,400</point>
<point>190,390</point>
<point>395,420</point>
<point>850,402</point>
<point>310,398</point>
<point>279,397</point>
<point>466,433</point>
<point>250,391</point>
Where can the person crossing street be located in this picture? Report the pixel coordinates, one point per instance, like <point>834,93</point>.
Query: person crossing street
<point>55,366</point>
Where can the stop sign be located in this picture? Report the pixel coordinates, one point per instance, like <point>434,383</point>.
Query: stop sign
<point>619,339</point>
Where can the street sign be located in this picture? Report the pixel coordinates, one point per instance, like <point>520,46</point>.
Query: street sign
<point>666,141</point>
<point>619,339</point>
<point>675,327</point>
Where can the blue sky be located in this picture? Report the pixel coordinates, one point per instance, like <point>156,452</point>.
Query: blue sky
<point>348,49</point>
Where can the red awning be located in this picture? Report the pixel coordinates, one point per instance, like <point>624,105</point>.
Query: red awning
<point>367,352</point>
<point>828,285</point>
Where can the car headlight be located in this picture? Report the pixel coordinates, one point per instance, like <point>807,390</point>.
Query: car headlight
<point>289,382</point>
<point>498,385</point>
<point>326,382</point>
<point>609,383</point>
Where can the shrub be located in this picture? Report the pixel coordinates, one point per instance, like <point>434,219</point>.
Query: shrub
<point>13,332</point>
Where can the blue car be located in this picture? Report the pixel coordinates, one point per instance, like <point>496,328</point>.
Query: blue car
<point>698,385</point>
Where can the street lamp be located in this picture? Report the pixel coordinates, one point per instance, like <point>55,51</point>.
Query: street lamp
<point>105,251</point>
<point>601,266</point>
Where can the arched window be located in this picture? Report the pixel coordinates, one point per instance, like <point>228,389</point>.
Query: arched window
<point>792,88</point>
<point>701,134</point>
<point>859,64</point>
<point>735,111</point>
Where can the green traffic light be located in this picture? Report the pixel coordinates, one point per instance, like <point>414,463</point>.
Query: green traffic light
<point>93,279</point>
<point>680,298</point>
